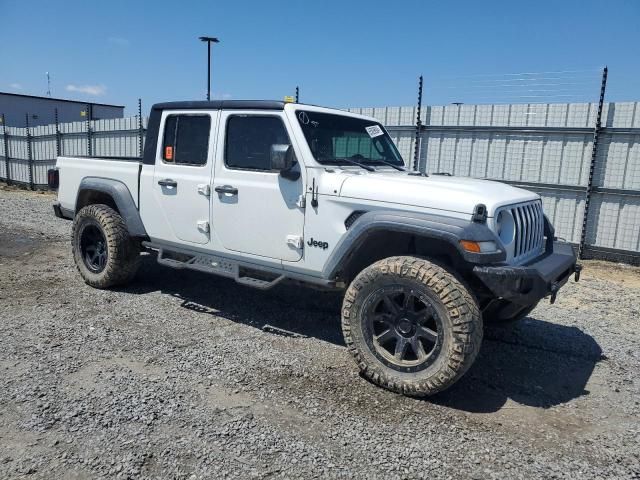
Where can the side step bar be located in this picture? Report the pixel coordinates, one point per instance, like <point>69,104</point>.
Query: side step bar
<point>219,266</point>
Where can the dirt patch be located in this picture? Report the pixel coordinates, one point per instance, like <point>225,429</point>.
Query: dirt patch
<point>14,245</point>
<point>626,275</point>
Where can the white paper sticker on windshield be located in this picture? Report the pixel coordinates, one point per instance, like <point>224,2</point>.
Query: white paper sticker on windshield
<point>374,131</point>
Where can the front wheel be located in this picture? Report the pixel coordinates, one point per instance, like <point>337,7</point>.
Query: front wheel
<point>411,326</point>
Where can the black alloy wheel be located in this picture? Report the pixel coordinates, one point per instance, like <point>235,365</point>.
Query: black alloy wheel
<point>404,328</point>
<point>93,245</point>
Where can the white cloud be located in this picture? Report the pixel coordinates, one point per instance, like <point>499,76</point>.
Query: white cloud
<point>119,41</point>
<point>15,86</point>
<point>94,90</point>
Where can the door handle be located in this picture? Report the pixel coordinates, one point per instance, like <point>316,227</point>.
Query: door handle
<point>167,182</point>
<point>226,189</point>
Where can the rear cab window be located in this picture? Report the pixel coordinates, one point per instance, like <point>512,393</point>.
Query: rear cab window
<point>186,139</point>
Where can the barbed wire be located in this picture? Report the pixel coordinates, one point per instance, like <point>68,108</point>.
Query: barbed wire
<point>522,87</point>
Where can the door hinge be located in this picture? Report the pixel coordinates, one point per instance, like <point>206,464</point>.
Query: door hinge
<point>295,241</point>
<point>204,189</point>
<point>302,201</point>
<point>203,226</point>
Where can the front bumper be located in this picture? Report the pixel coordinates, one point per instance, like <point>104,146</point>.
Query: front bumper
<point>527,284</point>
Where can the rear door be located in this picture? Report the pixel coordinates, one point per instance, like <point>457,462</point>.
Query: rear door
<point>182,176</point>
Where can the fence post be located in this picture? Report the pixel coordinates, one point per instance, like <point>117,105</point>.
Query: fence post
<point>88,115</point>
<point>297,94</point>
<point>416,150</point>
<point>5,139</point>
<point>29,152</point>
<point>140,129</point>
<point>58,139</point>
<point>592,166</point>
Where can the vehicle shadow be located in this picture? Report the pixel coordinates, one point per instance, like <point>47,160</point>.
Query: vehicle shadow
<point>287,309</point>
<point>534,362</point>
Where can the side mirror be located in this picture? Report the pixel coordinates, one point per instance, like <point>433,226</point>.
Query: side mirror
<point>283,159</point>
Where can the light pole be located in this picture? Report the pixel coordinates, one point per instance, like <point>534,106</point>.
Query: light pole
<point>209,41</point>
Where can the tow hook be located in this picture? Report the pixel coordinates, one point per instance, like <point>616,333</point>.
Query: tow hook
<point>554,292</point>
<point>577,269</point>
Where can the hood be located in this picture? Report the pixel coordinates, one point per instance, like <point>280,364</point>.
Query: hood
<point>441,192</point>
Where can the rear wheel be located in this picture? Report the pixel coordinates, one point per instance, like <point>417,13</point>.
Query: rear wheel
<point>103,251</point>
<point>411,326</point>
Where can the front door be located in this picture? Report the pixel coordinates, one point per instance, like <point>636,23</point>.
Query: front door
<point>255,209</point>
<point>182,176</point>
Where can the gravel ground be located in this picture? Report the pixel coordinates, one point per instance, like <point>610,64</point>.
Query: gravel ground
<point>184,375</point>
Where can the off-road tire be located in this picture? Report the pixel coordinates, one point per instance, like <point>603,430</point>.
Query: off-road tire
<point>491,317</point>
<point>460,316</point>
<point>123,251</point>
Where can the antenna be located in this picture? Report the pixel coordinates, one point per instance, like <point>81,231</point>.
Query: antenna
<point>48,85</point>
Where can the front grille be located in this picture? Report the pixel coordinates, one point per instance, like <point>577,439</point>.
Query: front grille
<point>529,229</point>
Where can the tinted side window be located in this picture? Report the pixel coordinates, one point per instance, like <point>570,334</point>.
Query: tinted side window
<point>186,139</point>
<point>249,139</point>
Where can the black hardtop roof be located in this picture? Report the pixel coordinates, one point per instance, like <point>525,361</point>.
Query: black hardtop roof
<point>221,105</point>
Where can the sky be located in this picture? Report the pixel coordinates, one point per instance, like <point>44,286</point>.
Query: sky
<point>340,53</point>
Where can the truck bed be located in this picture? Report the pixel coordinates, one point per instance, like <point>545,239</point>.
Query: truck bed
<point>73,170</point>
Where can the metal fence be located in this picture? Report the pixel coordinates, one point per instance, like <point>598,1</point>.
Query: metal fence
<point>27,153</point>
<point>546,148</point>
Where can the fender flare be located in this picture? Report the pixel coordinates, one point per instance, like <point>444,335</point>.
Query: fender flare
<point>440,227</point>
<point>121,195</point>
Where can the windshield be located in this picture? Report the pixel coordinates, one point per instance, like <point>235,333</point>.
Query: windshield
<point>336,139</point>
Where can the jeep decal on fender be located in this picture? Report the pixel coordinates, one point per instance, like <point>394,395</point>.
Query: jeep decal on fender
<point>316,243</point>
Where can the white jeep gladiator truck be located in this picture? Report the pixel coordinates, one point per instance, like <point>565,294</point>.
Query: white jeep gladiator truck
<point>266,191</point>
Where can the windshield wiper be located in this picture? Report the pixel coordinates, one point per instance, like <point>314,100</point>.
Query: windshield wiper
<point>397,167</point>
<point>377,160</point>
<point>351,161</point>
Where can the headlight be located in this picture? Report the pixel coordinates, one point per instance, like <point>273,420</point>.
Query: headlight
<point>505,227</point>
